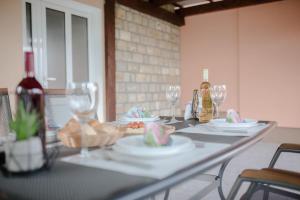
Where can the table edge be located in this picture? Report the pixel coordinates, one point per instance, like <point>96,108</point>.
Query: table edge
<point>199,167</point>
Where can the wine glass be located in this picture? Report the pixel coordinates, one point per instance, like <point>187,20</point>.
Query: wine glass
<point>218,95</point>
<point>172,95</point>
<point>83,102</point>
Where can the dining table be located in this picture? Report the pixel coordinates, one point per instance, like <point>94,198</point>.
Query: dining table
<point>72,181</point>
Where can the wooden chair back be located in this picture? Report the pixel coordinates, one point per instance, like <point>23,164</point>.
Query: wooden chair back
<point>5,112</point>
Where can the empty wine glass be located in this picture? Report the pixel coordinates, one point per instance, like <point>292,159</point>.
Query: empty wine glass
<point>218,95</point>
<point>172,95</point>
<point>83,102</point>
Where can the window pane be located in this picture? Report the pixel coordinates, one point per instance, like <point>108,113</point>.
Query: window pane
<point>56,48</point>
<point>28,25</point>
<point>80,49</point>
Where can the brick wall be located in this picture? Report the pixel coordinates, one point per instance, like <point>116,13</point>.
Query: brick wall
<point>147,61</point>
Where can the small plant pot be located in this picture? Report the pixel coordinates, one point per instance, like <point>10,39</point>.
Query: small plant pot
<point>24,156</point>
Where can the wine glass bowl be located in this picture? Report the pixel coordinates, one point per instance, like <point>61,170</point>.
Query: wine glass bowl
<point>173,94</point>
<point>83,99</point>
<point>218,94</point>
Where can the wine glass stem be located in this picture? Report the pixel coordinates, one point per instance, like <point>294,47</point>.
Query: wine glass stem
<point>84,152</point>
<point>217,111</point>
<point>173,111</point>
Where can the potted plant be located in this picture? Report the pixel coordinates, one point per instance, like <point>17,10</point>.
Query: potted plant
<point>25,153</point>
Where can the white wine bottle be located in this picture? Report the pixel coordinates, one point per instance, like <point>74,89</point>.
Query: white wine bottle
<point>207,105</point>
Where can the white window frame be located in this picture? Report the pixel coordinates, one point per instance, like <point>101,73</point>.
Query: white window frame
<point>95,16</point>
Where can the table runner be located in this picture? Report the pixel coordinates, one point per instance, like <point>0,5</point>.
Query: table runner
<point>207,130</point>
<point>156,168</point>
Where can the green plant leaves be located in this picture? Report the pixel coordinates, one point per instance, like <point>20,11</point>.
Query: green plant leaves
<point>26,123</point>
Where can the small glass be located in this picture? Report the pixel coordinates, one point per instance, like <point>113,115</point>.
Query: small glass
<point>173,95</point>
<point>218,94</point>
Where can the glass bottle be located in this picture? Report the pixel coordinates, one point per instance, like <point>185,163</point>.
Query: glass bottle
<point>31,93</point>
<point>207,105</point>
<point>195,104</point>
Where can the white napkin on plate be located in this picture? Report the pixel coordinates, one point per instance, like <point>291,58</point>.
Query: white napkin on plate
<point>188,111</point>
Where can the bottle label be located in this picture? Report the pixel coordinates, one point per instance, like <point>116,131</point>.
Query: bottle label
<point>207,106</point>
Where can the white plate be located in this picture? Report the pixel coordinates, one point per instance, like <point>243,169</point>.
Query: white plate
<point>221,123</point>
<point>148,119</point>
<point>135,146</point>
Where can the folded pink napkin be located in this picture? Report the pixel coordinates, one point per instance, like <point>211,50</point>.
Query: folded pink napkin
<point>233,116</point>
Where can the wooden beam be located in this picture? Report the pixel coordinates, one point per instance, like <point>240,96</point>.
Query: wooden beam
<point>55,91</point>
<point>222,5</point>
<point>164,2</point>
<point>110,63</point>
<point>3,91</point>
<point>151,9</point>
<point>177,5</point>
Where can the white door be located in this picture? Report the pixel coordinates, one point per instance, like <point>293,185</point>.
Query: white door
<point>67,39</point>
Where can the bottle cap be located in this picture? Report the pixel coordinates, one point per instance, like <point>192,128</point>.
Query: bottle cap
<point>205,74</point>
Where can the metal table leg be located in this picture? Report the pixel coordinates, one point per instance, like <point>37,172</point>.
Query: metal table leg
<point>167,194</point>
<point>220,178</point>
<point>217,182</point>
<point>214,183</point>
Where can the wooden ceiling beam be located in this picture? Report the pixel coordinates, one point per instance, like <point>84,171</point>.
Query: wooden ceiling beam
<point>153,10</point>
<point>222,5</point>
<point>164,2</point>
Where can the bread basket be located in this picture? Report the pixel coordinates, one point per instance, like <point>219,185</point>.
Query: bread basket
<point>94,134</point>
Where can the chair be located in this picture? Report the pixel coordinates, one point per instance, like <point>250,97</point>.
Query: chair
<point>5,112</point>
<point>278,182</point>
<point>285,147</point>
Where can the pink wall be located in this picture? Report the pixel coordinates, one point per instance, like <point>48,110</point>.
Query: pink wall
<point>210,41</point>
<point>255,51</point>
<point>11,55</point>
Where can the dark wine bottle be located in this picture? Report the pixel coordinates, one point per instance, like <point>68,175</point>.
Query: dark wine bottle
<point>31,93</point>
